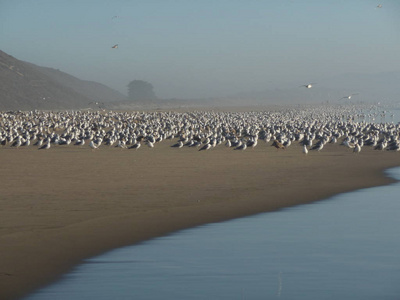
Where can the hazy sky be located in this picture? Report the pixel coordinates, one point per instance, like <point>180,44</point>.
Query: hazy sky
<point>204,48</point>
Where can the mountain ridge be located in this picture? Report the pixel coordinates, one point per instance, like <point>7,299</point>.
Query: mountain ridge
<point>26,86</point>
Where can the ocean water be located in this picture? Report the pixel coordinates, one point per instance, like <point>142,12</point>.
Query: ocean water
<point>344,247</point>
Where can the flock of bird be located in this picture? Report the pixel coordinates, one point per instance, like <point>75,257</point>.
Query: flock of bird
<point>312,127</point>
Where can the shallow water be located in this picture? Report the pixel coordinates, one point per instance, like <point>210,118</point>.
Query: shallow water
<point>390,115</point>
<point>345,247</point>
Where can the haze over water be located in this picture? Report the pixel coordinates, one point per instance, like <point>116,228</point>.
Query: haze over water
<point>200,49</point>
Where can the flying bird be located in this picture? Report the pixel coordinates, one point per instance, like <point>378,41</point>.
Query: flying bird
<point>115,46</point>
<point>348,97</point>
<point>96,103</point>
<point>308,86</point>
<point>379,6</point>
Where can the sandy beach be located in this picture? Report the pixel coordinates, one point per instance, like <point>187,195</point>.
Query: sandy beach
<point>125,121</point>
<point>66,204</point>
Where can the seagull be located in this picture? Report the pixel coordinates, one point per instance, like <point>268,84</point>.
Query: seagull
<point>205,147</point>
<point>93,145</point>
<point>348,144</point>
<point>136,146</point>
<point>17,143</point>
<point>45,146</point>
<point>115,46</point>
<point>26,143</point>
<point>348,97</point>
<point>252,143</point>
<point>39,142</point>
<point>241,147</point>
<point>308,86</point>
<point>379,6</point>
<point>305,151</point>
<point>357,148</point>
<point>121,144</point>
<point>318,146</point>
<point>179,144</point>
<point>80,142</point>
<point>333,140</point>
<point>96,103</point>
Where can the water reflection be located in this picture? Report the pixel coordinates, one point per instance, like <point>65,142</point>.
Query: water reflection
<point>346,247</point>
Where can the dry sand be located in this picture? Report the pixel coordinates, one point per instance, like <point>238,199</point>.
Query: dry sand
<point>62,205</point>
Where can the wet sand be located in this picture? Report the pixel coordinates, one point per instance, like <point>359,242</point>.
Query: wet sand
<point>62,205</point>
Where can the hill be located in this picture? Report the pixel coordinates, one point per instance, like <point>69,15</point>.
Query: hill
<point>25,86</point>
<point>91,89</point>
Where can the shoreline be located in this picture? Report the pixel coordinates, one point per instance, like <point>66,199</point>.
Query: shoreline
<point>76,203</point>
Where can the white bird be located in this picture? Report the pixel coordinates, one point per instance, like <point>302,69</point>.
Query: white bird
<point>205,147</point>
<point>39,143</point>
<point>45,146</point>
<point>379,6</point>
<point>17,143</point>
<point>96,103</point>
<point>150,144</point>
<point>357,148</point>
<point>348,97</point>
<point>93,145</point>
<point>121,144</point>
<point>80,142</point>
<point>305,151</point>
<point>348,144</point>
<point>320,146</point>
<point>309,85</point>
<point>136,146</point>
<point>253,143</point>
<point>241,147</point>
<point>26,143</point>
<point>115,46</point>
<point>179,144</point>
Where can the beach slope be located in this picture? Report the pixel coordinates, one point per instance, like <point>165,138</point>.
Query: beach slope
<point>62,205</point>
